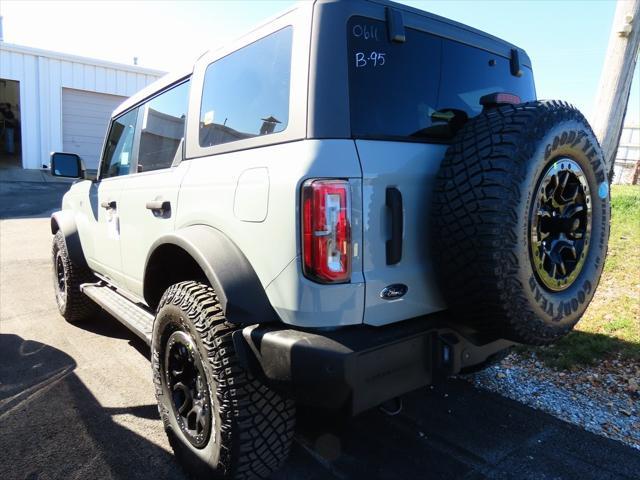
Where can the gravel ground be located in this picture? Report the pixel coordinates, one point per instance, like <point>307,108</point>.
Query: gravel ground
<point>603,399</point>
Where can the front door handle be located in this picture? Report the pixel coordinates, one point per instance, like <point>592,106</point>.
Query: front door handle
<point>109,205</point>
<point>159,207</point>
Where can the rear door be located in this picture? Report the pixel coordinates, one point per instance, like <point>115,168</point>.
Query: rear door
<point>407,100</point>
<point>399,174</point>
<point>149,197</point>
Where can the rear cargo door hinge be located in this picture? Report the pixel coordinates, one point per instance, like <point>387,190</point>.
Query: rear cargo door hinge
<point>395,26</point>
<point>514,63</point>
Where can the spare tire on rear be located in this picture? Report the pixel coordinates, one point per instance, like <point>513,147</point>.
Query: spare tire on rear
<point>521,221</point>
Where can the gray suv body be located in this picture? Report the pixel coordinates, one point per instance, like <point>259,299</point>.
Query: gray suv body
<point>353,200</point>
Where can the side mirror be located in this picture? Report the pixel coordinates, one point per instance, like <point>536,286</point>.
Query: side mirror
<point>66,165</point>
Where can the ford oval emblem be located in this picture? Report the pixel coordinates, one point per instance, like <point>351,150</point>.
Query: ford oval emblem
<point>391,292</point>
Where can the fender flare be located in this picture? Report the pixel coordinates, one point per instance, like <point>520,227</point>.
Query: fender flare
<point>237,286</point>
<point>65,222</point>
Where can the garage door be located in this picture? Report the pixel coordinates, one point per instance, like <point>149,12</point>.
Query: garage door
<point>85,117</point>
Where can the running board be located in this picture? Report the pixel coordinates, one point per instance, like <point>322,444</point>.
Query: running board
<point>134,317</point>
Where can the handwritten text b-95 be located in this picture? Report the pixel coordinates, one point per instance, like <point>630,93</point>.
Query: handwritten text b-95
<point>375,59</point>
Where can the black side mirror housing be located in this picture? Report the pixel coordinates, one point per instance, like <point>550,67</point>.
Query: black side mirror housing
<point>66,165</point>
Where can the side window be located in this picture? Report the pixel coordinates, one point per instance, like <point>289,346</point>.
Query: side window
<point>246,93</point>
<point>118,153</point>
<point>162,128</point>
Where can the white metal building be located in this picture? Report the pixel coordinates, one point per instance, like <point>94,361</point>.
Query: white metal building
<point>626,169</point>
<point>59,102</point>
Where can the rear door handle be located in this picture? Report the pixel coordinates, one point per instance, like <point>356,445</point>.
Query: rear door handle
<point>394,245</point>
<point>159,206</point>
<point>111,204</point>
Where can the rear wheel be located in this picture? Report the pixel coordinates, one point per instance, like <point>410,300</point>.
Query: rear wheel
<point>521,220</point>
<point>221,421</point>
<point>73,305</point>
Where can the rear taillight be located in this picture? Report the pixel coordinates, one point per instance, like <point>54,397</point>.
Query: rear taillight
<point>326,230</point>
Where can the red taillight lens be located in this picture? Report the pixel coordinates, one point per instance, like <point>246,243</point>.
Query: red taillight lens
<point>499,98</point>
<point>326,230</point>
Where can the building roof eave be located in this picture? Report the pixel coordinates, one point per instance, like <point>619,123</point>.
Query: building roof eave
<point>39,52</point>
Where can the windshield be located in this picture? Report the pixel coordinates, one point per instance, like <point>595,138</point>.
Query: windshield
<point>424,88</point>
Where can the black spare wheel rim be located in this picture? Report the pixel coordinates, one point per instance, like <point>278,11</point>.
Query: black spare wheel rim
<point>560,224</point>
<point>521,221</point>
<point>187,384</point>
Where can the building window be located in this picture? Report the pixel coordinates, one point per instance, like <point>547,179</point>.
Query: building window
<point>246,93</point>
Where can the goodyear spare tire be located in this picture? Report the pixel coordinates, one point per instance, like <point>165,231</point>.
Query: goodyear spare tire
<point>521,220</point>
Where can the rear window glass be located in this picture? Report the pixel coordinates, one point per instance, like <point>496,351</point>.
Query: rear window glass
<point>421,88</point>
<point>246,93</point>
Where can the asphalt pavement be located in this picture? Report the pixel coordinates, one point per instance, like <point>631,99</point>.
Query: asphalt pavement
<point>77,402</point>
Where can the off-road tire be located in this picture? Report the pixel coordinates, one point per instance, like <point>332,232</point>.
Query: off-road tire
<point>73,305</point>
<point>252,427</point>
<point>484,199</point>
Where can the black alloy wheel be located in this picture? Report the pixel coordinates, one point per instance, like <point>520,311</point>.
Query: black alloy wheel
<point>221,421</point>
<point>560,224</point>
<point>68,276</point>
<point>187,384</point>
<point>60,280</point>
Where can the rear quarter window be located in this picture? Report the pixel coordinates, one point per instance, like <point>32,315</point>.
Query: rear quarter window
<point>407,90</point>
<point>246,93</point>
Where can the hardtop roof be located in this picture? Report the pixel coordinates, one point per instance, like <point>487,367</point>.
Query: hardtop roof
<point>432,16</point>
<point>174,77</point>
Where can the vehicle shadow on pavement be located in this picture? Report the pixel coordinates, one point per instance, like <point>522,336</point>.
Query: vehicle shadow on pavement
<point>454,431</point>
<point>105,325</point>
<point>52,426</point>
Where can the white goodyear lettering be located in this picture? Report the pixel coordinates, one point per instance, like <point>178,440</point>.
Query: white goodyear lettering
<point>373,59</point>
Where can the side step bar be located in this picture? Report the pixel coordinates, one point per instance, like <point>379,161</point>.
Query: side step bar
<point>133,316</point>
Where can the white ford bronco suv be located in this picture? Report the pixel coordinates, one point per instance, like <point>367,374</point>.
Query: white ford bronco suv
<point>352,201</point>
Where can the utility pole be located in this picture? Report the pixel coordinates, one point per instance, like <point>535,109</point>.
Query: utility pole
<point>615,81</point>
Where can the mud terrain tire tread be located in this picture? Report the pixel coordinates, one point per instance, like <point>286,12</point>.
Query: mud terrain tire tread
<point>78,306</point>
<point>477,218</point>
<point>257,424</point>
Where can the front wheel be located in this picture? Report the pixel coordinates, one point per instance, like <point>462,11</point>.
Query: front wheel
<point>73,305</point>
<point>221,421</point>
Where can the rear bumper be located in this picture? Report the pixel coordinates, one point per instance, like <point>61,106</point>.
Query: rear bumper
<point>360,367</point>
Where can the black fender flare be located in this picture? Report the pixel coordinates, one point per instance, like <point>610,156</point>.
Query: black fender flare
<point>65,222</point>
<point>237,285</point>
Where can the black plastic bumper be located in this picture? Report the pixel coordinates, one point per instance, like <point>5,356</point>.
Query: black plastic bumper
<point>360,366</point>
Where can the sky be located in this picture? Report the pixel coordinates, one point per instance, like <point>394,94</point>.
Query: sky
<point>565,39</point>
